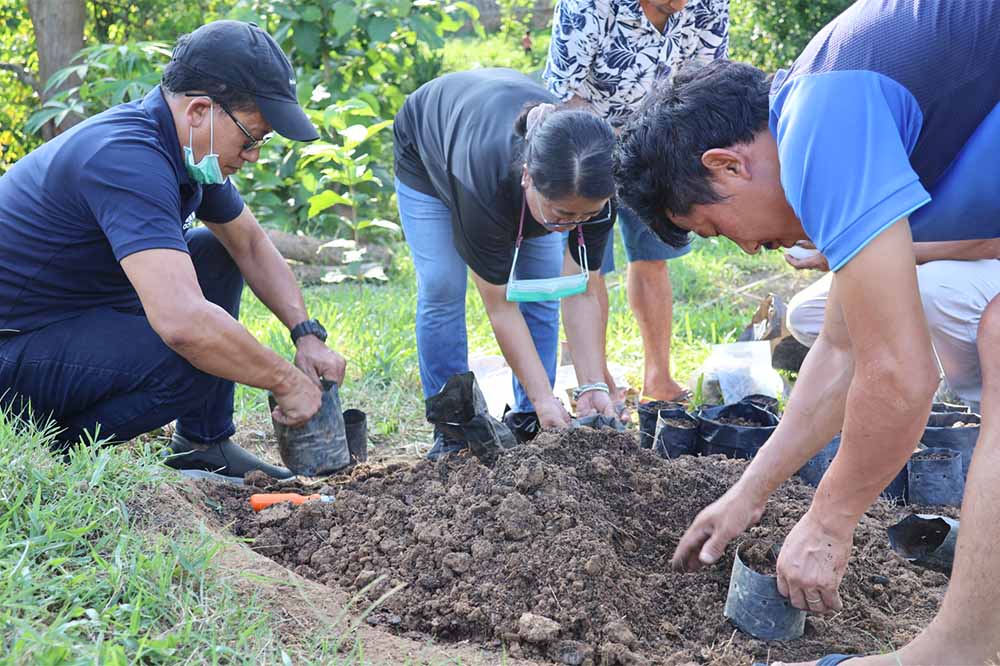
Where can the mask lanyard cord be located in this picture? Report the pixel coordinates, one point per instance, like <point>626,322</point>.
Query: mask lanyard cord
<point>582,251</point>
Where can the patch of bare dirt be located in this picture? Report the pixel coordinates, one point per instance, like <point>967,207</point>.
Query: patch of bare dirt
<point>560,552</point>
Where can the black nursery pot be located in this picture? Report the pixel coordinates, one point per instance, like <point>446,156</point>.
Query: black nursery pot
<point>926,540</point>
<point>935,477</point>
<point>945,407</point>
<point>319,446</point>
<point>672,440</point>
<point>812,472</point>
<point>941,433</point>
<point>648,412</point>
<point>762,401</point>
<point>356,423</point>
<point>735,441</point>
<point>756,607</point>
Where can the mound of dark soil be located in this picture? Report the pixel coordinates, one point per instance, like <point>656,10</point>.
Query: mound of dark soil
<point>561,552</point>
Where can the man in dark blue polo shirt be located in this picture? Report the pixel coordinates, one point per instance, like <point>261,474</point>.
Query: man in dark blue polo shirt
<point>884,131</point>
<point>116,316</point>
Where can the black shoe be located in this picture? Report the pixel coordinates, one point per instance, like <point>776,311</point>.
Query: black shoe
<point>223,461</point>
<point>443,446</point>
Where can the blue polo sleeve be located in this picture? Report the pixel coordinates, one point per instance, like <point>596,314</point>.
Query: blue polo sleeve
<point>844,140</point>
<point>219,203</point>
<point>131,191</point>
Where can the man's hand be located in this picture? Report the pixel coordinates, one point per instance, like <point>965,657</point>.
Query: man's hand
<point>318,361</point>
<point>705,540</point>
<point>298,398</point>
<point>595,402</point>
<point>551,413</point>
<point>815,261</point>
<point>812,563</point>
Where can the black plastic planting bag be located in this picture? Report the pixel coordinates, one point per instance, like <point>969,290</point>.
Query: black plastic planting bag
<point>524,425</point>
<point>459,410</point>
<point>763,401</point>
<point>676,434</point>
<point>943,432</point>
<point>732,440</point>
<point>647,419</point>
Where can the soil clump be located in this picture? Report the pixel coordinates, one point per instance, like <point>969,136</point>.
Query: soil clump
<point>680,423</point>
<point>561,552</point>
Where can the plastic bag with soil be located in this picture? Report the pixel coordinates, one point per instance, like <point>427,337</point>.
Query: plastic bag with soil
<point>459,410</point>
<point>957,431</point>
<point>736,431</point>
<point>935,478</point>
<point>676,434</point>
<point>648,412</point>
<point>814,469</point>
<point>763,401</point>
<point>319,446</point>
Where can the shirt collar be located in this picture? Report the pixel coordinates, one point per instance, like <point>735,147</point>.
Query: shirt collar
<point>155,104</point>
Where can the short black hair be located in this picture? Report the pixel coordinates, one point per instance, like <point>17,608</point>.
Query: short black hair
<point>569,153</point>
<point>658,161</point>
<point>179,78</point>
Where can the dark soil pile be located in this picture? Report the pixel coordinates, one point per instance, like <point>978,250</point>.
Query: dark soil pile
<point>561,552</point>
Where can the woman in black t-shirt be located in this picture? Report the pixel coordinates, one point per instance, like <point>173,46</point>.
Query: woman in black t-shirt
<point>491,177</point>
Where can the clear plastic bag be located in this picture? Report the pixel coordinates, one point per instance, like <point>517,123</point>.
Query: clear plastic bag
<point>736,370</point>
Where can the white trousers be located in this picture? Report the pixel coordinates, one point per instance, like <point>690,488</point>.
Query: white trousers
<point>954,294</point>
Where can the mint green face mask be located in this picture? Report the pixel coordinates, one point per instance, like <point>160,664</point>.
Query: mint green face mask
<point>547,289</point>
<point>207,171</point>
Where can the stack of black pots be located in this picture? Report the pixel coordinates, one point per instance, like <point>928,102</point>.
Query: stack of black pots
<point>935,474</point>
<point>736,430</point>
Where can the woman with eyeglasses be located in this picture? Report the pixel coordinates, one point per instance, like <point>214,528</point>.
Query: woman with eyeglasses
<point>491,178</point>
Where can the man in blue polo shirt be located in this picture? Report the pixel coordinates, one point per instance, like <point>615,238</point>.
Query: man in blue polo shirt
<point>884,131</point>
<point>116,316</point>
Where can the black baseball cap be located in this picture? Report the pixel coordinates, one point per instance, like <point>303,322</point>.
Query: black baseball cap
<point>246,58</point>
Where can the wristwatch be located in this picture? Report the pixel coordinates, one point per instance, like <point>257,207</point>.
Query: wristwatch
<point>308,327</point>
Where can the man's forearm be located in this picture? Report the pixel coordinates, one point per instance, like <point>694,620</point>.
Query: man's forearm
<point>272,281</point>
<point>218,345</point>
<point>967,250</point>
<point>886,413</point>
<point>814,414</point>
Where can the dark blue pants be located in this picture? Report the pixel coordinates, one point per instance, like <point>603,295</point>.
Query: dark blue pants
<point>108,367</point>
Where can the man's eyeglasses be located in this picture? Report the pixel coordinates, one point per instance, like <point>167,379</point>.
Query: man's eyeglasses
<point>252,142</point>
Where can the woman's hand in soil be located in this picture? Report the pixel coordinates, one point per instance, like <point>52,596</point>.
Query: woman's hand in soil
<point>317,361</point>
<point>720,522</point>
<point>812,563</point>
<point>551,413</point>
<point>595,402</point>
<point>298,399</point>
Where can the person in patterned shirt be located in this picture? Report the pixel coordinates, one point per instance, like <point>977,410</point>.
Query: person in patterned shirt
<point>606,55</point>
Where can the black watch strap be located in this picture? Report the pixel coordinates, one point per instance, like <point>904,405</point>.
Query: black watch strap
<point>308,327</point>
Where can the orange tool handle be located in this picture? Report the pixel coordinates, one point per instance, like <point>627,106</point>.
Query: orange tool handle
<point>260,501</point>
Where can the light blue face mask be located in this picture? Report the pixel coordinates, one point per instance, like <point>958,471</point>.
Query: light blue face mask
<point>547,289</point>
<point>207,171</point>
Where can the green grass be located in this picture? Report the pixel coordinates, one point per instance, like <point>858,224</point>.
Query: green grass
<point>373,327</point>
<point>82,584</point>
<point>497,50</point>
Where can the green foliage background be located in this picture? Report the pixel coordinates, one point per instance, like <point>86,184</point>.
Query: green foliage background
<point>356,60</point>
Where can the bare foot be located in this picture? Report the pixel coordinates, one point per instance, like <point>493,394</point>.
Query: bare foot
<point>668,391</point>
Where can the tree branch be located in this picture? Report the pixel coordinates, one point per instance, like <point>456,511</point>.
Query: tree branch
<point>23,75</point>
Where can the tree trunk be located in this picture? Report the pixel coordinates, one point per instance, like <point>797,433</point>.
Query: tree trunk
<point>58,37</point>
<point>309,250</point>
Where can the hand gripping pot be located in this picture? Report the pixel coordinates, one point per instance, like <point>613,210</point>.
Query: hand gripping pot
<point>318,446</point>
